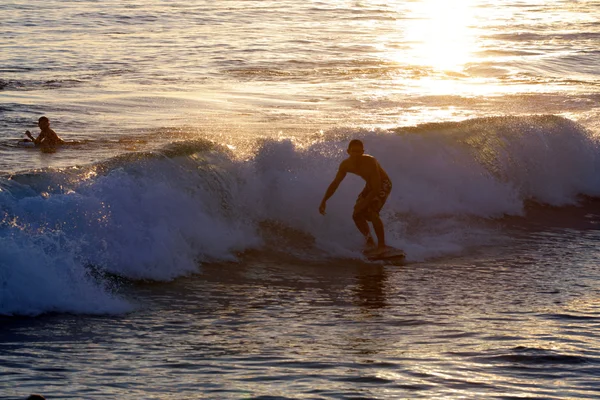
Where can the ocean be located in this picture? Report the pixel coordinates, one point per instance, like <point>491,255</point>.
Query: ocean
<point>173,247</point>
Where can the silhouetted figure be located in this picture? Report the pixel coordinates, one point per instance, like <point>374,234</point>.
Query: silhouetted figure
<point>47,139</point>
<point>371,199</point>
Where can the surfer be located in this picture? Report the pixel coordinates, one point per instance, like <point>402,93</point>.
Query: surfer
<point>47,139</point>
<point>371,199</point>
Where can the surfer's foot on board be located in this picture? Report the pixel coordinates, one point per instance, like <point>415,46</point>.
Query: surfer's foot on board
<point>380,250</point>
<point>374,250</point>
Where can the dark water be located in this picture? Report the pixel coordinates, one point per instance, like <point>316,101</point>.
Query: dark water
<point>516,321</point>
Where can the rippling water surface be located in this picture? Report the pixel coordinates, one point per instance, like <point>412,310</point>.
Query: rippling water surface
<point>519,324</point>
<point>173,248</point>
<point>109,71</point>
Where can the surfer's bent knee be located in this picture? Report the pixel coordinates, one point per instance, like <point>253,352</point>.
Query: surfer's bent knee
<point>362,215</point>
<point>372,216</point>
<point>366,215</point>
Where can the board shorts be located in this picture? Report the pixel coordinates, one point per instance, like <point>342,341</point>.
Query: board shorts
<point>377,204</point>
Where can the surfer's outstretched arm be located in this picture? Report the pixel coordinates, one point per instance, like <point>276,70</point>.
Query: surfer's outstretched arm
<point>339,177</point>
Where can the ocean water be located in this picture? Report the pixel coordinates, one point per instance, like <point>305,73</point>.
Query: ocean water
<point>173,248</point>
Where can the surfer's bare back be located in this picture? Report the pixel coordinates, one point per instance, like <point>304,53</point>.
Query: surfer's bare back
<point>371,199</point>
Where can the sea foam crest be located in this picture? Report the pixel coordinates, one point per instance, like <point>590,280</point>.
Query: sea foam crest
<point>445,176</point>
<point>160,216</point>
<point>155,218</point>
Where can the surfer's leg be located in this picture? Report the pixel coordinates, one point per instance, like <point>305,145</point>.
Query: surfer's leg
<point>360,220</point>
<point>363,226</point>
<point>373,214</point>
<point>379,229</point>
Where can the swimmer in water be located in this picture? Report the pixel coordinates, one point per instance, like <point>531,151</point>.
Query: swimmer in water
<point>47,139</point>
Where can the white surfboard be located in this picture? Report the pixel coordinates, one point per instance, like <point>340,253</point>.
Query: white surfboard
<point>25,143</point>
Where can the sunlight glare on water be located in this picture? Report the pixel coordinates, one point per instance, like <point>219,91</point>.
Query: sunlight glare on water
<point>440,34</point>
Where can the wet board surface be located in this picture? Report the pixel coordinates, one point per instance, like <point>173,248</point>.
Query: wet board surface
<point>390,254</point>
<point>25,143</point>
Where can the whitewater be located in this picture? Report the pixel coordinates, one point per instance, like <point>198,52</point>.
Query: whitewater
<point>160,215</point>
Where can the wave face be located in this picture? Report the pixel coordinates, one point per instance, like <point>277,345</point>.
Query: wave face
<point>159,216</point>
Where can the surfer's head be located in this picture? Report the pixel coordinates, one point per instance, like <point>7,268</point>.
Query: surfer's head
<point>43,122</point>
<point>356,148</point>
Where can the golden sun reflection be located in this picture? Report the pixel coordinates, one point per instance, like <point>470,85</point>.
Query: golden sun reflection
<point>440,33</point>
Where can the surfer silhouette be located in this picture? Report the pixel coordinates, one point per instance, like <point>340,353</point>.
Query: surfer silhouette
<point>47,137</point>
<point>371,199</point>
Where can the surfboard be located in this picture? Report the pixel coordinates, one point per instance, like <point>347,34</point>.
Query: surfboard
<point>44,149</point>
<point>390,254</point>
<point>25,143</point>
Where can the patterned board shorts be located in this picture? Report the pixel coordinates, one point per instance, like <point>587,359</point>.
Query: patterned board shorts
<point>379,200</point>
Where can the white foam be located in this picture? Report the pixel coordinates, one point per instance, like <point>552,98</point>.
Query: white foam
<point>39,274</point>
<point>460,174</point>
<point>161,217</point>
